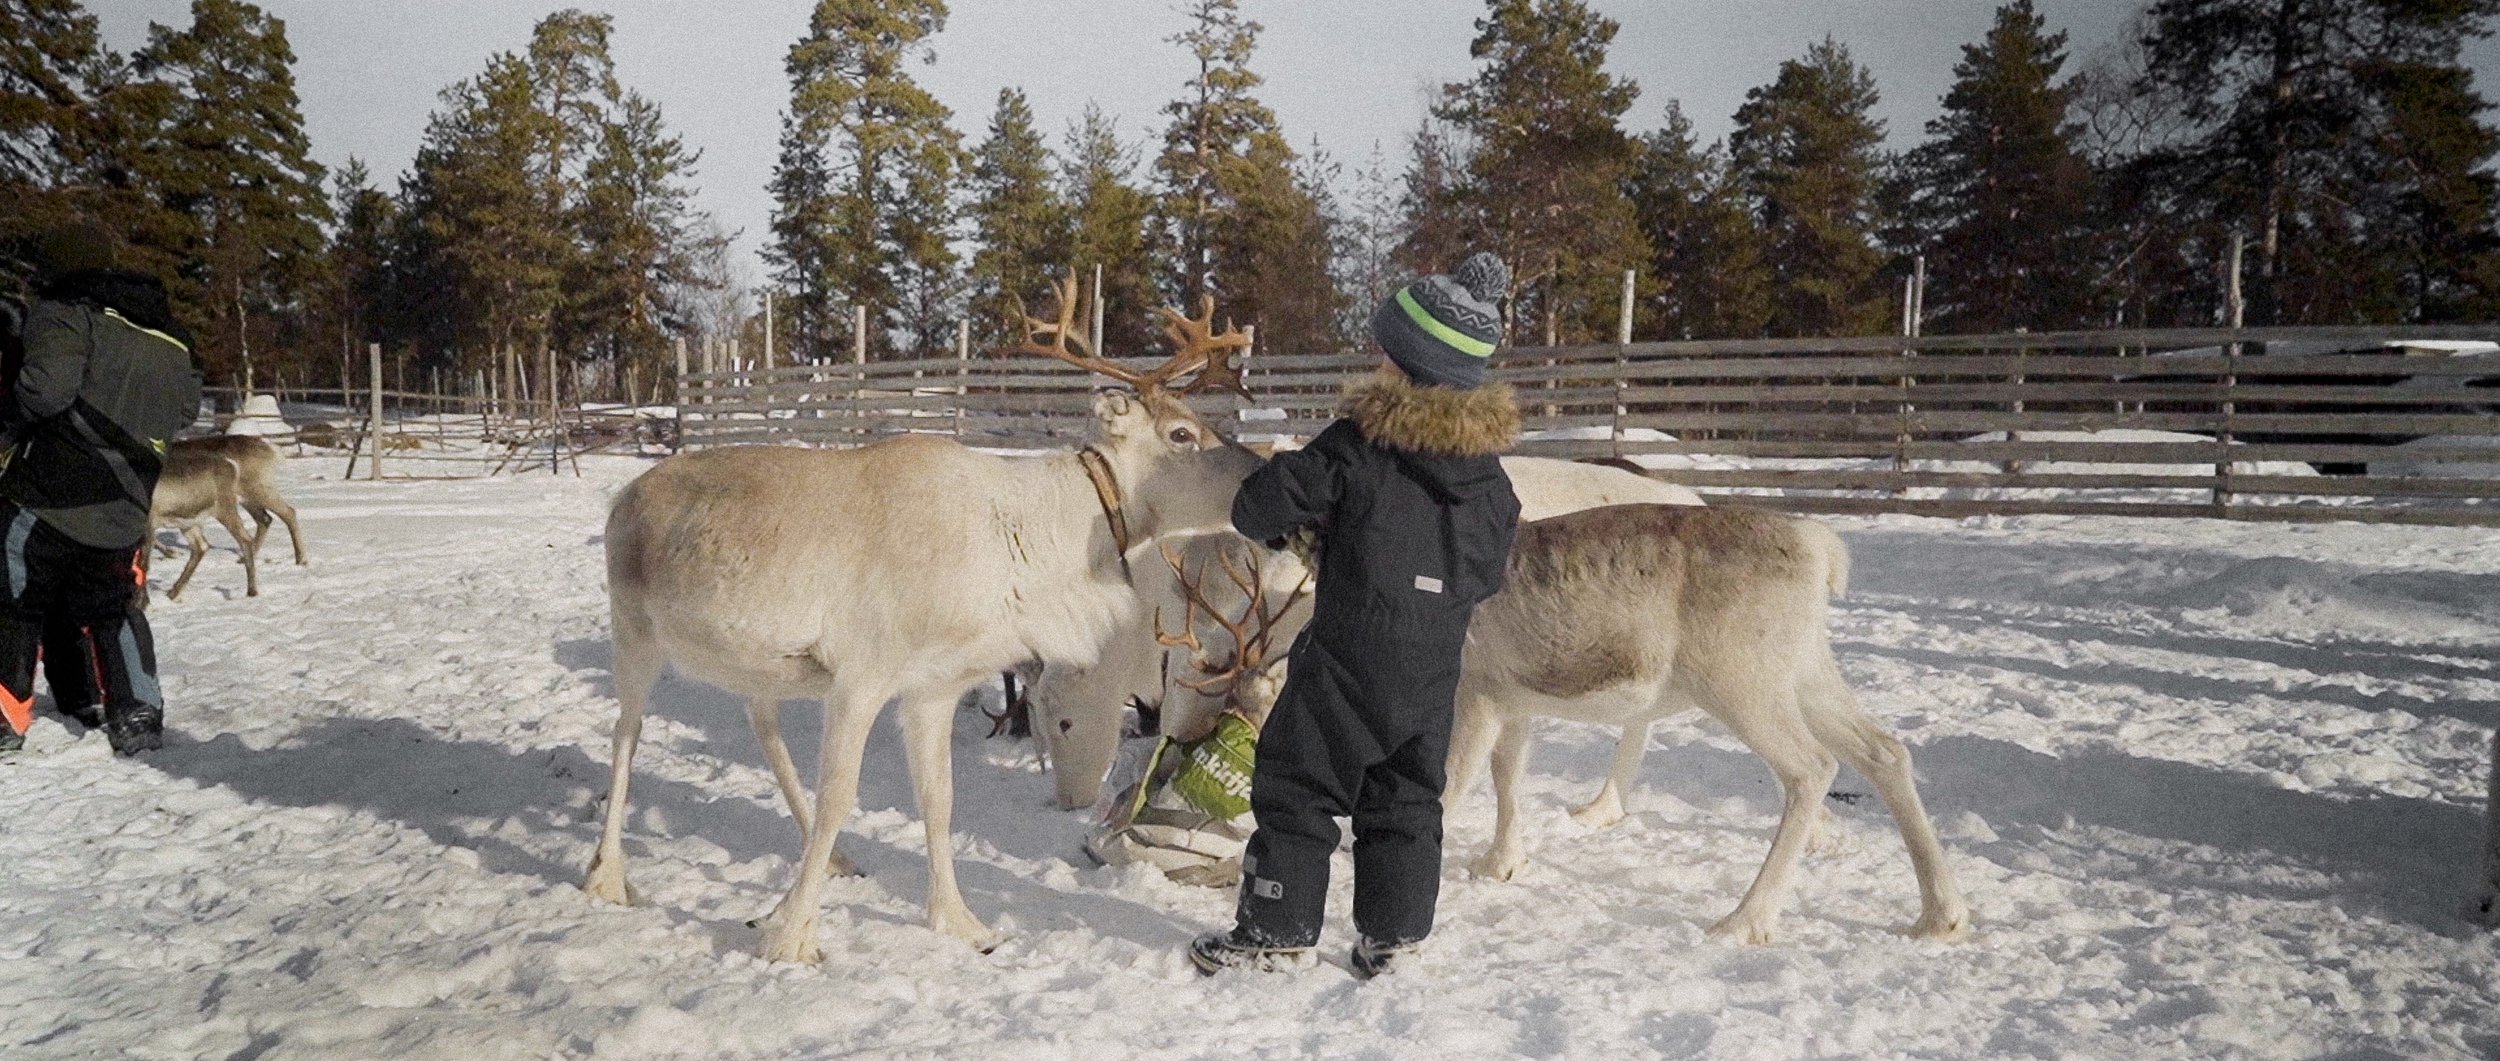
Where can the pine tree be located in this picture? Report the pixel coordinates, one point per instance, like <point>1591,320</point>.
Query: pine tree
<point>639,246</point>
<point>863,215</point>
<point>1108,221</point>
<point>78,131</point>
<point>1999,197</point>
<point>357,274</point>
<point>1441,223</point>
<point>1236,222</point>
<point>2342,138</point>
<point>481,249</point>
<point>1805,149</point>
<point>1019,222</point>
<point>237,163</point>
<point>1705,277</point>
<point>1369,227</point>
<point>1548,161</point>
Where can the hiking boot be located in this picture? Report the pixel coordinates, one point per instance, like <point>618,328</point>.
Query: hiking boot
<point>141,730</point>
<point>1372,958</point>
<point>1217,951</point>
<point>9,739</point>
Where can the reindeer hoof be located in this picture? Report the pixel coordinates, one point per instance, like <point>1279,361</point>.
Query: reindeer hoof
<point>960,924</point>
<point>1943,928</point>
<point>839,865</point>
<point>785,942</point>
<point>1498,865</point>
<point>1738,928</point>
<point>606,883</point>
<point>1605,810</point>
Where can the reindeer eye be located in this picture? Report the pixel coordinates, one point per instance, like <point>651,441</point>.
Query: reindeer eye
<point>1184,436</point>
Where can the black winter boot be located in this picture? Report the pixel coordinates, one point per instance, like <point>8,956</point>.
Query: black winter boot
<point>1217,951</point>
<point>140,729</point>
<point>1373,958</point>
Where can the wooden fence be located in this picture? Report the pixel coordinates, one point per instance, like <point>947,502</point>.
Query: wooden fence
<point>2379,424</point>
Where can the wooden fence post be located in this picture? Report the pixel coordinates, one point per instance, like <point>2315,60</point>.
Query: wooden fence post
<point>2230,383</point>
<point>1623,343</point>
<point>963,370</point>
<point>373,429</point>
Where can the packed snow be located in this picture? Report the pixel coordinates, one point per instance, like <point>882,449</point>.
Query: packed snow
<point>2213,790</point>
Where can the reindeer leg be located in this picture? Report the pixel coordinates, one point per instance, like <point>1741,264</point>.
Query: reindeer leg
<point>1607,808</point>
<point>765,714</point>
<point>1833,713</point>
<point>928,729</point>
<point>294,534</point>
<point>1471,739</point>
<point>260,524</point>
<point>1502,860</point>
<point>790,930</point>
<point>638,663</point>
<point>198,542</point>
<point>233,522</point>
<point>1769,722</point>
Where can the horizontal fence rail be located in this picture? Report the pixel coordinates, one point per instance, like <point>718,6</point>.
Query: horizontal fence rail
<point>2375,424</point>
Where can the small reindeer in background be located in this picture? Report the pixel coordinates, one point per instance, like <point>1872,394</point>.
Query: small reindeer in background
<point>194,487</point>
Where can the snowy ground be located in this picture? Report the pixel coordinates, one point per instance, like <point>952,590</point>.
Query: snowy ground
<point>2212,790</point>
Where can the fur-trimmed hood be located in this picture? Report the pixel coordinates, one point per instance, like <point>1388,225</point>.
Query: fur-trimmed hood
<point>1435,421</point>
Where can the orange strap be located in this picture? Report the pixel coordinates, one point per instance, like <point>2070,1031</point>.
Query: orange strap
<point>19,710</point>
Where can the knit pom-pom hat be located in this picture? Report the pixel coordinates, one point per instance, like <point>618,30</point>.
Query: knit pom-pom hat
<point>1441,330</point>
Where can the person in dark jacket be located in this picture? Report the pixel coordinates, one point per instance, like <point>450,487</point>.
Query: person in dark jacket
<point>1414,519</point>
<point>108,378</point>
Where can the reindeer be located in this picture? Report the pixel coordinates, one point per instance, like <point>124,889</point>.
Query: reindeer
<point>1076,709</point>
<point>194,486</point>
<point>256,483</point>
<point>1630,614</point>
<point>1625,615</point>
<point>909,570</point>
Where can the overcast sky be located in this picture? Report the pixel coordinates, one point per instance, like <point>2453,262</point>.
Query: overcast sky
<point>1351,74</point>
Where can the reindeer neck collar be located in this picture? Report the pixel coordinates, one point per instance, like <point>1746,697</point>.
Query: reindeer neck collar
<point>1114,511</point>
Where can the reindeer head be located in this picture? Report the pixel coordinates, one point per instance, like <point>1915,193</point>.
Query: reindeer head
<point>1178,468</point>
<point>1245,675</point>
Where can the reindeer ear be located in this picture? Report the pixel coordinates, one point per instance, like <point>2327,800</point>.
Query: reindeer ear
<point>1117,410</point>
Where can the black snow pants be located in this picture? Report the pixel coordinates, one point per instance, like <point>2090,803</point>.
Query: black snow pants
<point>1368,741</point>
<point>75,608</point>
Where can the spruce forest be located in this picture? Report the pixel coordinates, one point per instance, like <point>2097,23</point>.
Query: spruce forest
<point>551,207</point>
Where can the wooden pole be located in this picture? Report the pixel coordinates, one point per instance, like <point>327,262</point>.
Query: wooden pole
<point>373,428</point>
<point>768,327</point>
<point>555,418</point>
<point>2238,310</point>
<point>963,369</point>
<point>677,389</point>
<point>1096,331</point>
<point>1623,338</point>
<point>859,335</point>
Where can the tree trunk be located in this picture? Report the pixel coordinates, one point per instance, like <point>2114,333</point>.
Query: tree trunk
<point>2278,162</point>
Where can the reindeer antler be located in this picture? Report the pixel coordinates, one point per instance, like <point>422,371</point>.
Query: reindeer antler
<point>1070,311</point>
<point>1253,633</point>
<point>1198,334</point>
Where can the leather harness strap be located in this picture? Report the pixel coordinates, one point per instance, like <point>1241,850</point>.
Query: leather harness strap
<point>1107,491</point>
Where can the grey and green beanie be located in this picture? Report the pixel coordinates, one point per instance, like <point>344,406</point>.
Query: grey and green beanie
<point>1442,329</point>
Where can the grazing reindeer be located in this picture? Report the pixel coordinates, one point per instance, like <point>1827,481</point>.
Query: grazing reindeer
<point>1241,679</point>
<point>1629,614</point>
<point>907,570</point>
<point>195,486</point>
<point>1076,709</point>
<point>256,483</point>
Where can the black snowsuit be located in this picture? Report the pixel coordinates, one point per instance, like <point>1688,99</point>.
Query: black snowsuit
<point>1414,518</point>
<point>108,378</point>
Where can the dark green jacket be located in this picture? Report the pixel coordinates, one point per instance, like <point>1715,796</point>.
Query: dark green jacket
<point>108,379</point>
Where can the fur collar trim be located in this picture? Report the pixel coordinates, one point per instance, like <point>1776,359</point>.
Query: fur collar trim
<point>1396,412</point>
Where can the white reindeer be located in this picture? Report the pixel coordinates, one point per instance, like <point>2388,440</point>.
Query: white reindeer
<point>1077,708</point>
<point>1630,614</point>
<point>908,570</point>
<point>195,486</point>
<point>256,483</point>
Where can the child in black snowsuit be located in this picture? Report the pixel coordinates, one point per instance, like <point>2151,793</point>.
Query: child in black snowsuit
<point>1414,519</point>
